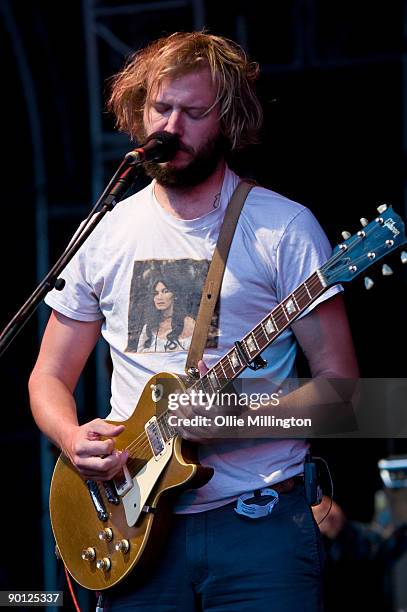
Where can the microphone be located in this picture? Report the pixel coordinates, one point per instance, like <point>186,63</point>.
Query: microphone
<point>159,147</point>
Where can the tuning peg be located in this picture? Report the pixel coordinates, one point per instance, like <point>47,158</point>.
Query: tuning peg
<point>346,235</point>
<point>381,208</point>
<point>403,257</point>
<point>364,222</point>
<point>386,270</point>
<point>368,282</point>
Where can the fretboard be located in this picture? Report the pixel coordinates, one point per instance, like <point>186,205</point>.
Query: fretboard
<point>259,338</point>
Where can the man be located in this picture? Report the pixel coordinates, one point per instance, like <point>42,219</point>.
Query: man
<point>200,88</point>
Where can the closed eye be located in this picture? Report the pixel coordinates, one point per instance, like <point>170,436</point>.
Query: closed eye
<point>162,108</point>
<point>196,113</point>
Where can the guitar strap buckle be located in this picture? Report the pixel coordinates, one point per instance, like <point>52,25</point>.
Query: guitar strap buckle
<point>258,363</point>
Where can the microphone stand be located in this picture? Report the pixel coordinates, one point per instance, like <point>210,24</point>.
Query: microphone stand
<point>122,179</point>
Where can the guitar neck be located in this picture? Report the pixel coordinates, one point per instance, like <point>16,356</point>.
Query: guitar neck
<point>253,344</point>
<point>261,336</point>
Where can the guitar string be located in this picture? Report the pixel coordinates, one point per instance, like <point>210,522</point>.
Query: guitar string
<point>312,283</point>
<point>146,444</point>
<point>301,292</point>
<point>141,444</point>
<point>259,331</point>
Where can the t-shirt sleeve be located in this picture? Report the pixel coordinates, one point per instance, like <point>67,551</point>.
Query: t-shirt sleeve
<point>79,299</point>
<point>302,249</point>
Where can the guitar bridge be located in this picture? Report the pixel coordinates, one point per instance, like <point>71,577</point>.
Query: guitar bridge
<point>97,500</point>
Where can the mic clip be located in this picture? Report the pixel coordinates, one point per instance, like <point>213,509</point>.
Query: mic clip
<point>135,157</point>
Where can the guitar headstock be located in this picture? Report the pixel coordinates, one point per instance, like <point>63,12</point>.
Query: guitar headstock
<point>369,245</point>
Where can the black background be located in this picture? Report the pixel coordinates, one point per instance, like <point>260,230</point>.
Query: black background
<point>332,92</point>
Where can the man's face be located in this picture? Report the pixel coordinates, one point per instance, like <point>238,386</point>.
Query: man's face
<point>180,106</point>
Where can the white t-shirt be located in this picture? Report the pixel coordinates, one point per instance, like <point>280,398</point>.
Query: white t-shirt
<point>161,344</point>
<point>139,252</point>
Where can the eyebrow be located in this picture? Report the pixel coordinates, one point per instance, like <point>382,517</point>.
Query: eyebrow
<point>182,106</point>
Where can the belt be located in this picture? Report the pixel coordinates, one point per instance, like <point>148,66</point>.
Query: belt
<point>285,486</point>
<point>264,500</point>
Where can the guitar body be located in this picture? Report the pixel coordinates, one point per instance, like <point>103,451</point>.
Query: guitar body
<point>74,518</point>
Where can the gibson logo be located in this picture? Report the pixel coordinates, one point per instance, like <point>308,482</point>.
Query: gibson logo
<point>391,225</point>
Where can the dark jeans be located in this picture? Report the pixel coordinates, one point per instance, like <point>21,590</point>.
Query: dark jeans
<point>220,562</point>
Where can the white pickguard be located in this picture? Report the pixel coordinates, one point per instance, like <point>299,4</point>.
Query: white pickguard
<point>143,483</point>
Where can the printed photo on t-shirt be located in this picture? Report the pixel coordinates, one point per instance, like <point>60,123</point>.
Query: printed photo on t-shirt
<point>164,300</point>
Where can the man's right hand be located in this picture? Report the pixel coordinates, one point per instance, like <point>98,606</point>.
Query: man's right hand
<point>91,449</point>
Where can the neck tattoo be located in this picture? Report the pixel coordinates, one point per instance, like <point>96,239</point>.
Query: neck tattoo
<point>216,201</point>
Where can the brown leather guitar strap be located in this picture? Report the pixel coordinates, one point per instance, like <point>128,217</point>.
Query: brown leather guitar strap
<point>214,278</point>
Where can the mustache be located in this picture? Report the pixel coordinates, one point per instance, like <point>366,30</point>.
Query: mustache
<point>186,148</point>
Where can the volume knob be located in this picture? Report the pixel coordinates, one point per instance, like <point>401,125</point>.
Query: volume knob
<point>106,534</point>
<point>88,554</point>
<point>104,564</point>
<point>123,545</point>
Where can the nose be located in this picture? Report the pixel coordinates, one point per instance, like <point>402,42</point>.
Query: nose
<point>174,123</point>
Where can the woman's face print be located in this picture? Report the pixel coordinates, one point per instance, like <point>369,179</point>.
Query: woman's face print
<point>163,298</point>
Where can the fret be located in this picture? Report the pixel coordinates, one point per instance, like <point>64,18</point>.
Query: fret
<point>220,374</point>
<point>213,379</point>
<point>270,326</point>
<point>199,383</point>
<point>280,314</point>
<point>306,288</point>
<point>230,363</point>
<point>290,306</point>
<point>301,298</point>
<point>264,330</point>
<point>260,337</point>
<point>295,300</point>
<point>313,289</point>
<point>250,343</point>
<point>228,367</point>
<point>255,339</point>
<point>246,348</point>
<point>284,312</point>
<point>274,321</point>
<point>223,370</point>
<point>205,380</point>
<point>234,360</point>
<point>319,285</point>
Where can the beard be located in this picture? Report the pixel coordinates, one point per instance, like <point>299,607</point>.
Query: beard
<point>202,165</point>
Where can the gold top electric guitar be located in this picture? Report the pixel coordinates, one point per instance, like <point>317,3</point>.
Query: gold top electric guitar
<point>105,530</point>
